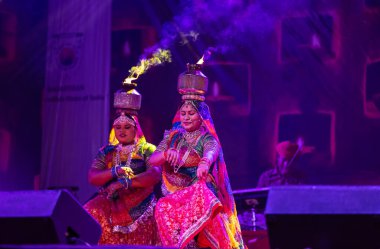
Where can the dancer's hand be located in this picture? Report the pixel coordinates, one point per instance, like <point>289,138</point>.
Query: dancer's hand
<point>112,188</point>
<point>172,156</point>
<point>202,170</point>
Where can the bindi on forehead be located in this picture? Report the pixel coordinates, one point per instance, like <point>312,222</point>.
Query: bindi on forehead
<point>187,107</point>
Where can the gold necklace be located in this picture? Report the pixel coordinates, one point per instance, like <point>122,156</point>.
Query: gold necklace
<point>191,135</point>
<point>191,139</point>
<point>126,150</point>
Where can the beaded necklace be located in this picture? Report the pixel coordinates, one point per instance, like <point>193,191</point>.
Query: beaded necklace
<point>124,150</point>
<point>190,139</point>
<point>191,135</point>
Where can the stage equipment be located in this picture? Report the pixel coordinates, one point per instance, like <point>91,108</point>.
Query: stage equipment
<point>323,217</point>
<point>45,217</point>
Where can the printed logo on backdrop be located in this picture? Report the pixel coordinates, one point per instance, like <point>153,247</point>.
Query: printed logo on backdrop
<point>68,56</point>
<point>65,80</point>
<point>66,50</point>
<point>64,57</point>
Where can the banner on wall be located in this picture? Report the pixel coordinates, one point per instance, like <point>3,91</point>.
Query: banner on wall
<point>75,101</point>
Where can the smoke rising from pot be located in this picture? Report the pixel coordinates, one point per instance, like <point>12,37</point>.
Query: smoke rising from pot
<point>228,23</point>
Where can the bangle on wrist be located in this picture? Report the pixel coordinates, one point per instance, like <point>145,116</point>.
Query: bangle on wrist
<point>126,182</point>
<point>206,160</point>
<point>114,172</point>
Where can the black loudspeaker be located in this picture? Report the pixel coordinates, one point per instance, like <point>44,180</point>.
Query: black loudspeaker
<point>45,217</point>
<point>323,217</point>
